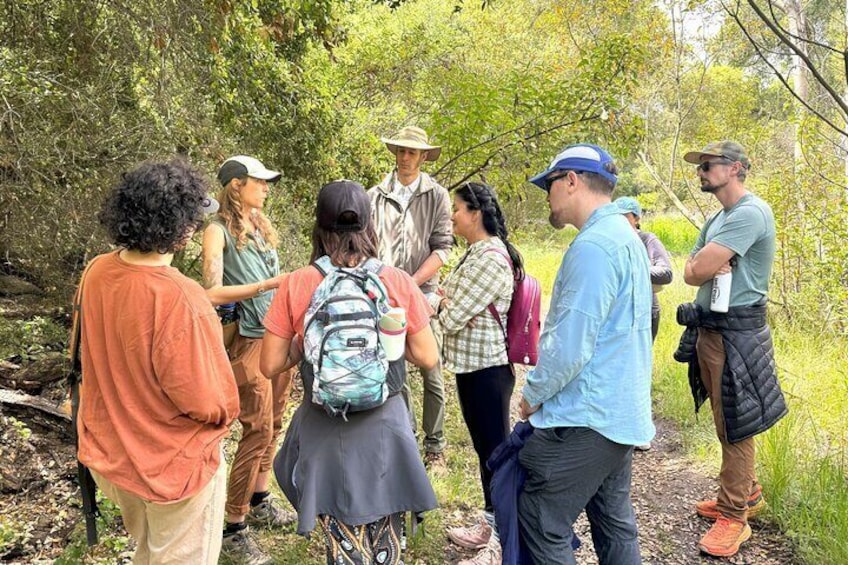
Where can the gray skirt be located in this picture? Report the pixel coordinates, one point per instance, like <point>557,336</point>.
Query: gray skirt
<point>356,471</point>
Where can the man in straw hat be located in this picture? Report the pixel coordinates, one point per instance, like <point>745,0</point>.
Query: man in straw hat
<point>412,220</point>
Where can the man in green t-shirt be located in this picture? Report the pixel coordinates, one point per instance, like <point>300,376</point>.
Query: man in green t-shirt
<point>738,239</point>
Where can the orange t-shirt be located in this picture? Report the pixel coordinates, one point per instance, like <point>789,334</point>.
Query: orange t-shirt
<point>288,309</point>
<point>157,392</point>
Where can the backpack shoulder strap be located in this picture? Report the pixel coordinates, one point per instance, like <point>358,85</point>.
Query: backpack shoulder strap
<point>491,307</point>
<point>503,253</point>
<point>324,265</point>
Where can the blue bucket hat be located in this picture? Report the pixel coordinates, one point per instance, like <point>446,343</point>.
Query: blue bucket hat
<point>628,205</point>
<point>579,157</point>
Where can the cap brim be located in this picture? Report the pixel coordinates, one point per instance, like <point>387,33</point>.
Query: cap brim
<point>265,174</point>
<point>209,205</point>
<point>539,180</point>
<point>695,157</point>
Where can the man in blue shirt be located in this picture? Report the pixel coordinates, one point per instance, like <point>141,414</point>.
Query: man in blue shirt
<point>589,397</point>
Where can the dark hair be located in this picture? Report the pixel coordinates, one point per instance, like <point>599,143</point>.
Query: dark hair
<point>346,248</point>
<point>599,184</point>
<point>478,196</point>
<point>155,207</point>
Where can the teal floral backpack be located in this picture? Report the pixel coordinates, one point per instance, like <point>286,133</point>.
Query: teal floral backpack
<point>341,338</point>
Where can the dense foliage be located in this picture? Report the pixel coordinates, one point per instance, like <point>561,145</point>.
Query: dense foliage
<point>89,89</point>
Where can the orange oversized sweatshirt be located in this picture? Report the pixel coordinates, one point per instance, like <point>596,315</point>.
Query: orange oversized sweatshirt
<point>158,392</point>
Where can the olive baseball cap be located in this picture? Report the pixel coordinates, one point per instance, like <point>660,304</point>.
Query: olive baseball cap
<point>727,149</point>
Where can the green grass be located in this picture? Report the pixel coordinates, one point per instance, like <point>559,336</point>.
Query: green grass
<point>801,461</point>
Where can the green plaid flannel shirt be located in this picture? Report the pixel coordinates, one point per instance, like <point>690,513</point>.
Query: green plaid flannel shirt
<point>479,280</point>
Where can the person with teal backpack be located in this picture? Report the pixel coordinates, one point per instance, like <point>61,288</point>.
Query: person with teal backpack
<point>349,460</point>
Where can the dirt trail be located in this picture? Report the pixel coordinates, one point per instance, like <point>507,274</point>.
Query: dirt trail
<point>666,485</point>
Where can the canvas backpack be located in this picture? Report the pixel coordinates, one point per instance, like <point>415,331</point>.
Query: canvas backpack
<point>341,338</point>
<point>523,322</point>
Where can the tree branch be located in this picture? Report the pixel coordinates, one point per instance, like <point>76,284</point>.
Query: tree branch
<point>799,52</point>
<point>781,78</point>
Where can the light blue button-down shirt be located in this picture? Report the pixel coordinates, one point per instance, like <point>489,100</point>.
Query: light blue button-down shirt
<point>595,359</point>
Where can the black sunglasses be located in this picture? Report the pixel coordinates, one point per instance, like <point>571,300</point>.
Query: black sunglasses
<point>705,166</point>
<point>552,179</point>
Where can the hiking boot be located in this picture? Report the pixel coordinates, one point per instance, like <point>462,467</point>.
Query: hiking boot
<point>242,549</point>
<point>725,537</point>
<point>269,514</point>
<point>472,537</point>
<point>435,462</point>
<point>489,555</point>
<point>756,504</point>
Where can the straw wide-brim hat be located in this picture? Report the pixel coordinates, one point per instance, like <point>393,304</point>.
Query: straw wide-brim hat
<point>413,138</point>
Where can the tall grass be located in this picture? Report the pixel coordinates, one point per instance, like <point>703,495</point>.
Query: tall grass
<point>801,461</point>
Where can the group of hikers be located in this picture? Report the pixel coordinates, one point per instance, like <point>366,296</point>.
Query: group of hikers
<point>161,385</point>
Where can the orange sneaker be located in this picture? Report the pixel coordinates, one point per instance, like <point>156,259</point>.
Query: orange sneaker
<point>756,504</point>
<point>725,537</point>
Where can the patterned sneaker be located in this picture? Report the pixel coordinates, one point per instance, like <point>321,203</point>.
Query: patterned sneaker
<point>756,504</point>
<point>725,537</point>
<point>473,537</point>
<point>269,514</point>
<point>489,555</point>
<point>240,548</point>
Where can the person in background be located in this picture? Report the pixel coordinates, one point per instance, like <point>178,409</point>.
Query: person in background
<point>158,393</point>
<point>589,396</point>
<point>476,351</point>
<point>356,476</point>
<point>661,273</point>
<point>412,220</point>
<point>240,265</point>
<point>749,401</point>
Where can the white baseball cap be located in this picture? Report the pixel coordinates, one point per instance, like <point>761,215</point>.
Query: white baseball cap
<point>242,166</point>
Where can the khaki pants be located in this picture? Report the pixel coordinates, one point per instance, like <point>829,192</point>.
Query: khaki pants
<point>186,531</point>
<point>433,419</point>
<point>738,479</point>
<point>262,402</point>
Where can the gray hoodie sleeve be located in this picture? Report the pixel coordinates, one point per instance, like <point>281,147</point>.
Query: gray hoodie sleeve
<point>661,273</point>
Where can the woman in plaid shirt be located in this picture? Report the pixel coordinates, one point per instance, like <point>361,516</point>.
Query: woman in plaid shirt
<point>474,348</point>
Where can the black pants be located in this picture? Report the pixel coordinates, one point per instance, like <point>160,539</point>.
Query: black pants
<point>484,399</point>
<point>655,324</point>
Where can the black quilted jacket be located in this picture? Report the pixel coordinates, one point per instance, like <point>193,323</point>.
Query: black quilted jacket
<point>751,398</point>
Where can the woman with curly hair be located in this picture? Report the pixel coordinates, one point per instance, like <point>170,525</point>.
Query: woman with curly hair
<point>474,347</point>
<point>240,265</point>
<point>158,393</point>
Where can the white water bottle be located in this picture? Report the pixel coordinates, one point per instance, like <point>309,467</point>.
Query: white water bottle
<point>720,296</point>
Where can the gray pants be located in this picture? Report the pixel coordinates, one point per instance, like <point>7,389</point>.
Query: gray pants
<point>569,469</point>
<point>433,421</point>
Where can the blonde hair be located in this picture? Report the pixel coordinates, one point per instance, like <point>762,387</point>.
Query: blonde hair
<point>230,212</point>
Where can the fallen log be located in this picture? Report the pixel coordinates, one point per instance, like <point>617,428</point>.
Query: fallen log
<point>22,400</point>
